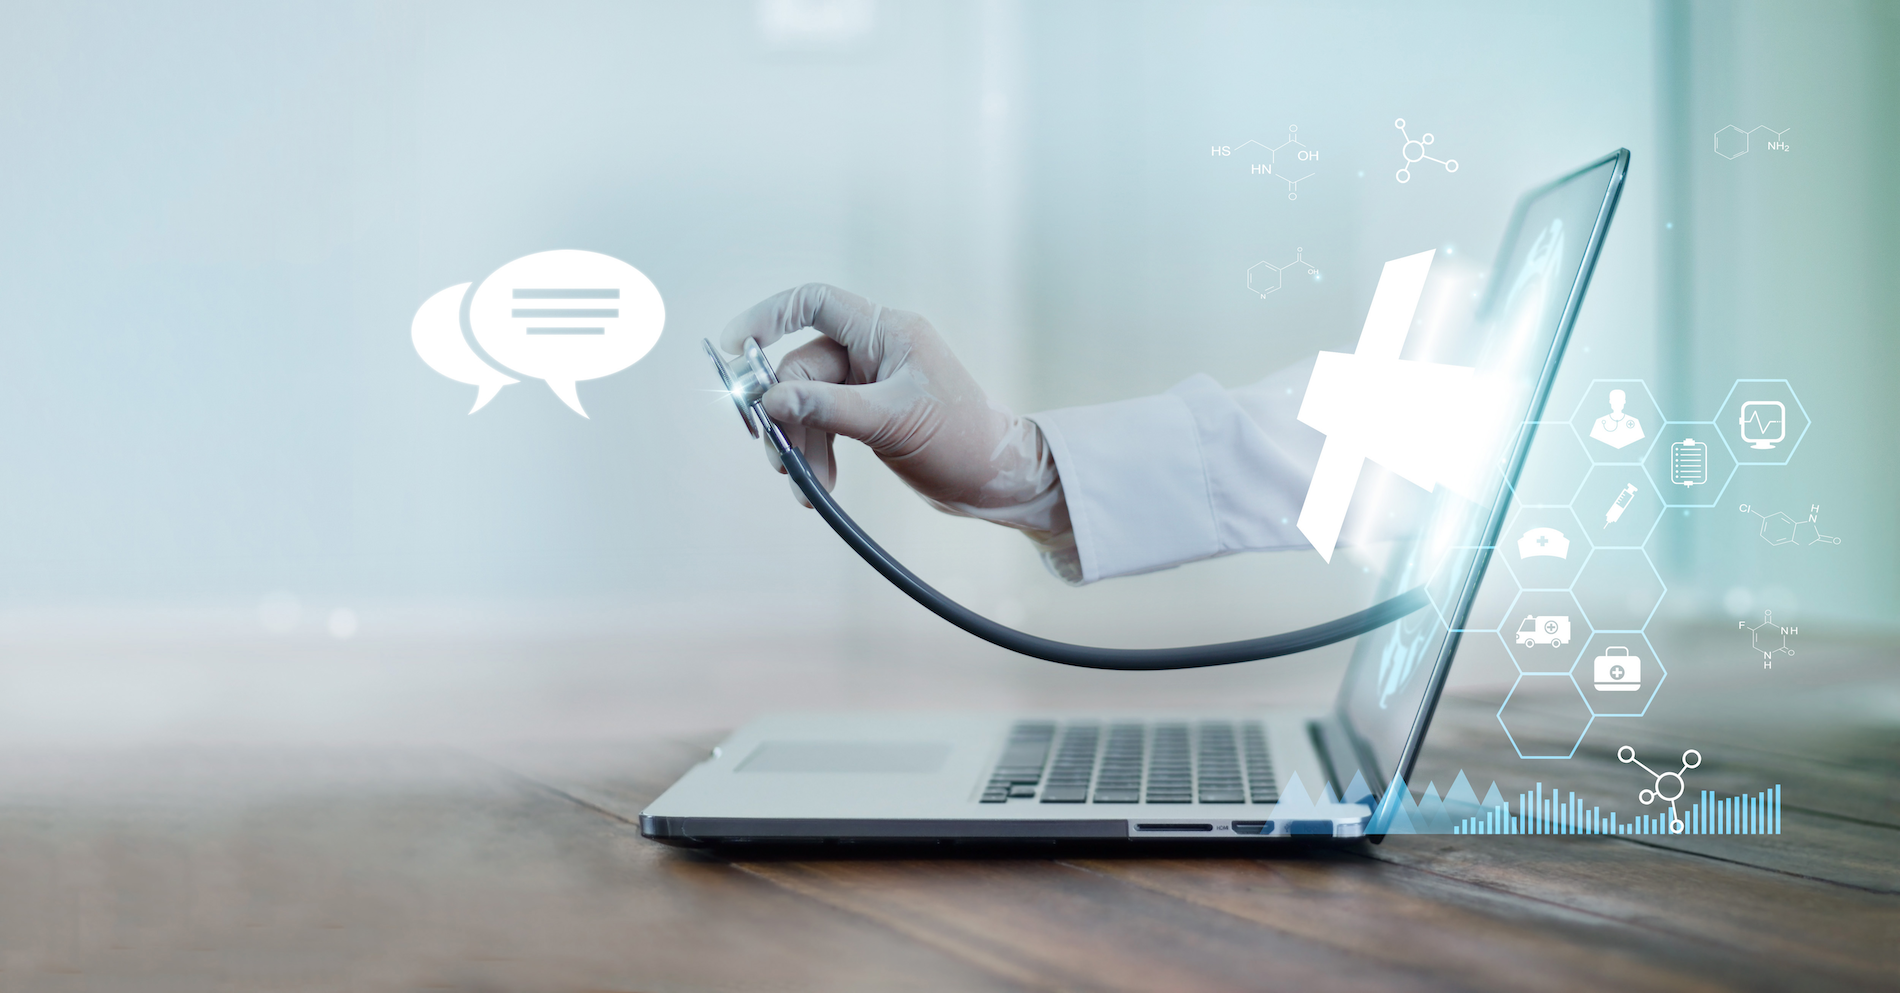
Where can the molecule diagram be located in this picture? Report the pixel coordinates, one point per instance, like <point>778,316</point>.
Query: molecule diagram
<point>1669,785</point>
<point>1273,166</point>
<point>1762,636</point>
<point>1264,277</point>
<point>1732,142</point>
<point>1414,151</point>
<point>1780,529</point>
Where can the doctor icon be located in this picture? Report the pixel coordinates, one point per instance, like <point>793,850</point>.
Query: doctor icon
<point>1617,429</point>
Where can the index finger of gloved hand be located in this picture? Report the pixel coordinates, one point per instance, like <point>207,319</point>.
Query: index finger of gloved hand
<point>820,360</point>
<point>845,318</point>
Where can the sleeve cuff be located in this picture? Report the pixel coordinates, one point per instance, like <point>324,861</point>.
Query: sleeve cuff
<point>1135,482</point>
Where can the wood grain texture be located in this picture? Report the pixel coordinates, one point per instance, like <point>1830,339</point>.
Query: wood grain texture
<point>521,868</point>
<point>1421,921</point>
<point>1775,925</point>
<point>1814,908</point>
<point>385,873</point>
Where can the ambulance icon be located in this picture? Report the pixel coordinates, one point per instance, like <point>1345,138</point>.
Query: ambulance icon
<point>1552,630</point>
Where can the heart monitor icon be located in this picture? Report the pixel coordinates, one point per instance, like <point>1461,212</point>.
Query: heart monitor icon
<point>561,316</point>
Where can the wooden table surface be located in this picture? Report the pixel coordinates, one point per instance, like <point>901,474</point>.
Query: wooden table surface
<point>521,868</point>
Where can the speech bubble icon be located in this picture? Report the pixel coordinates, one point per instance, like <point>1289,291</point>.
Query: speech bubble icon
<point>566,316</point>
<point>437,334</point>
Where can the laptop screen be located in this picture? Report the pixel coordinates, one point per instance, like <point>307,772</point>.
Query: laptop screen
<point>1513,345</point>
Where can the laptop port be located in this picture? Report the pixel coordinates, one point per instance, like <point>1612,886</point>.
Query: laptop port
<point>1253,827</point>
<point>1174,827</point>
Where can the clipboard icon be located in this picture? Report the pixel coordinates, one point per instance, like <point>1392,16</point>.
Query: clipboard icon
<point>1689,462</point>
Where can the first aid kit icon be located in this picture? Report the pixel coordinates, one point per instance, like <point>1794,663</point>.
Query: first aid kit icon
<point>1618,671</point>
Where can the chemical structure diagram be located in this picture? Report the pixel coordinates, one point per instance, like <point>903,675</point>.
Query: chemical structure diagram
<point>1732,142</point>
<point>1690,760</point>
<point>1414,151</point>
<point>1272,166</point>
<point>1780,529</point>
<point>1265,277</point>
<point>1769,629</point>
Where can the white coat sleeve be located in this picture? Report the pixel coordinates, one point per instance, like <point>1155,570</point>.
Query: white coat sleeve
<point>1196,472</point>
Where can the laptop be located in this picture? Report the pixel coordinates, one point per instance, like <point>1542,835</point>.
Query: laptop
<point>1251,777</point>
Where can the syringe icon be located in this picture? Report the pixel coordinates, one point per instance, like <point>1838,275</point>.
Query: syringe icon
<point>1622,502</point>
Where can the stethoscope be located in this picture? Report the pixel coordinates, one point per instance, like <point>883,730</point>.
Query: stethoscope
<point>746,379</point>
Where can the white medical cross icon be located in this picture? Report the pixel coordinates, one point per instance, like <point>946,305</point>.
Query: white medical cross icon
<point>1367,404</point>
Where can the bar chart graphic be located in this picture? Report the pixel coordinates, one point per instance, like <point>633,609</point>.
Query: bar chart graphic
<point>1757,813</point>
<point>1551,811</point>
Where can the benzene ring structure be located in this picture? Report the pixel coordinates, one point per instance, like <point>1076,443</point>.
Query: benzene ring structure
<point>1259,282</point>
<point>1732,142</point>
<point>1418,144</point>
<point>1690,760</point>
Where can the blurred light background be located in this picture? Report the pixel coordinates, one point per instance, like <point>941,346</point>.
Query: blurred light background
<point>238,506</point>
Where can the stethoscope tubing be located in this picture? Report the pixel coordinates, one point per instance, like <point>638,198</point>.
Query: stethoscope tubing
<point>1088,657</point>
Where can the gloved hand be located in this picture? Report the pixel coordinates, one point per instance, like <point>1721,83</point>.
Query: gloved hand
<point>886,378</point>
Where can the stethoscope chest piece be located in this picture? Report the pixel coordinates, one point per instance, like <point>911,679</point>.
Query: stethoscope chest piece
<point>746,379</point>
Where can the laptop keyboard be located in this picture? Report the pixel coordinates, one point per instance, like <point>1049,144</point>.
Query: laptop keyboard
<point>1134,762</point>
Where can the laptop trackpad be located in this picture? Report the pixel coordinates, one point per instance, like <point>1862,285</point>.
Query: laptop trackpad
<point>846,756</point>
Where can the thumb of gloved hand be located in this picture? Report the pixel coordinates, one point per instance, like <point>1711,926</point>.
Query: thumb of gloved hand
<point>812,412</point>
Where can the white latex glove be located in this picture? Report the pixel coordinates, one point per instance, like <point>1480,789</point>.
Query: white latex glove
<point>886,378</point>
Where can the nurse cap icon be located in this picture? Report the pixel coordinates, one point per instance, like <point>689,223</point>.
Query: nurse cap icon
<point>1543,541</point>
<point>1617,429</point>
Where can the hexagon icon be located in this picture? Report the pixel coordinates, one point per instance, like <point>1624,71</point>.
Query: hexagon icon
<point>1690,464</point>
<point>1619,589</point>
<point>1619,505</point>
<point>1495,590</point>
<point>1483,658</point>
<point>1544,547</point>
<point>1545,716</point>
<point>1619,674</point>
<point>1731,142</point>
<point>1617,420</point>
<point>1553,466</point>
<point>1545,631</point>
<point>1763,421</point>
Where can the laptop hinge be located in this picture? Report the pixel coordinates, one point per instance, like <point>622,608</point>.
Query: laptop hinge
<point>1333,745</point>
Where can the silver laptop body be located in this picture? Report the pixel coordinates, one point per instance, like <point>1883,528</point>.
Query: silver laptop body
<point>1250,776</point>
